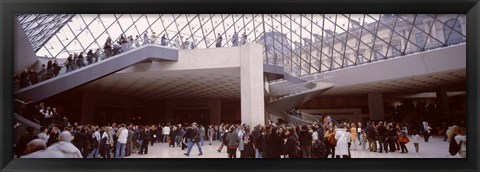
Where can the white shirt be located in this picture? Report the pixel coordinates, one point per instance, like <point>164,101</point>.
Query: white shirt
<point>314,136</point>
<point>166,130</point>
<point>122,137</point>
<point>97,136</point>
<point>416,138</point>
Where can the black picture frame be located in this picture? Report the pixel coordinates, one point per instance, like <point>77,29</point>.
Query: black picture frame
<point>8,9</point>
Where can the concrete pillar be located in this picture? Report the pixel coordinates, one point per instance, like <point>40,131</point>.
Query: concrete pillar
<point>251,84</point>
<point>375,106</point>
<point>215,111</point>
<point>442,102</point>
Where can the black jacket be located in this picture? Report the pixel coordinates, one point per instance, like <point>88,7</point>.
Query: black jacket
<point>305,138</point>
<point>291,146</point>
<point>21,145</point>
<point>275,145</point>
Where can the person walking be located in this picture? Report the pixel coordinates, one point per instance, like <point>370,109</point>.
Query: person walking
<point>416,141</point>
<point>193,138</point>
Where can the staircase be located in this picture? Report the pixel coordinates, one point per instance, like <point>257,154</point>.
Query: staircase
<point>296,92</point>
<point>97,70</point>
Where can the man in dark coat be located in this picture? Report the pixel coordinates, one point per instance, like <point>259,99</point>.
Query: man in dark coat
<point>371,136</point>
<point>21,145</point>
<point>193,138</point>
<point>382,137</point>
<point>275,144</point>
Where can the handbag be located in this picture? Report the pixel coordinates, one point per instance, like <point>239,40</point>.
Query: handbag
<point>332,140</point>
<point>233,146</point>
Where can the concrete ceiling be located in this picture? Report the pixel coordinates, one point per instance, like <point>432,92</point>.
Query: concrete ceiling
<point>211,83</point>
<point>225,83</point>
<point>407,85</point>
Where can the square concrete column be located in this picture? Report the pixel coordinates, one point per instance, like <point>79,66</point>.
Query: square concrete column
<point>251,84</point>
<point>375,106</point>
<point>215,110</point>
<point>442,102</point>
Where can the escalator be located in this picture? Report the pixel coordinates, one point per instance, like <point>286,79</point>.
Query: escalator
<point>97,70</point>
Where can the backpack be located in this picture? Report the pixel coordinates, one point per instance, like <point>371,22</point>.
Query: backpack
<point>454,148</point>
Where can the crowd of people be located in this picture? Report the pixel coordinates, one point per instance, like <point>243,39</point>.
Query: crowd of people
<point>263,141</point>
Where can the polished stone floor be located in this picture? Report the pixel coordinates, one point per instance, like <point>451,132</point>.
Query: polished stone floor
<point>435,148</point>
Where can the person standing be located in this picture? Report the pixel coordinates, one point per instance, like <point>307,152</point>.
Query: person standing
<point>241,145</point>
<point>164,40</point>
<point>43,134</point>
<point>275,144</point>
<point>193,138</point>
<point>153,38</point>
<point>244,38</point>
<point>353,136</point>
<point>232,142</point>
<point>145,38</point>
<point>426,131</point>
<point>90,57</point>
<point>382,137</point>
<point>21,144</point>
<point>258,140</point>
<point>202,135</point>
<point>235,39</point>
<point>144,137</point>
<point>136,42</point>
<point>371,137</point>
<point>122,135</point>
<point>54,132</point>
<point>165,130</point>
<point>461,140</point>
<point>330,146</point>
<point>219,41</point>
<point>210,134</point>
<point>291,144</point>
<point>403,139</point>
<point>248,139</point>
<point>342,137</point>
<point>65,147</point>
<point>305,139</point>
<point>129,148</point>
<point>96,142</point>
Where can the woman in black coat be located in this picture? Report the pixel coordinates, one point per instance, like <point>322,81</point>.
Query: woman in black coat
<point>291,144</point>
<point>275,144</point>
<point>248,139</point>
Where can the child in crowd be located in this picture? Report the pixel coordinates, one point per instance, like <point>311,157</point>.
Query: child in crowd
<point>415,140</point>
